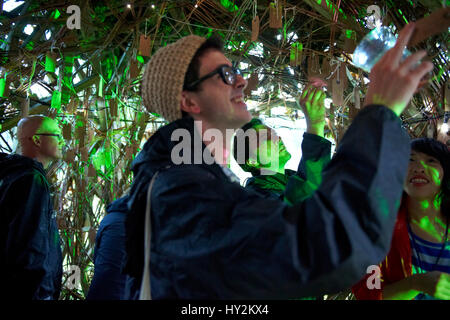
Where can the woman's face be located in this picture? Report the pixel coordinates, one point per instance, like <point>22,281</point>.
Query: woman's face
<point>424,177</point>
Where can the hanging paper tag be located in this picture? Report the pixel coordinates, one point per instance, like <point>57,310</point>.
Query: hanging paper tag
<point>252,84</point>
<point>275,16</point>
<point>313,65</point>
<point>91,171</point>
<point>56,100</point>
<point>337,91</point>
<point>24,108</point>
<point>255,28</point>
<point>128,152</point>
<point>144,46</point>
<point>112,108</point>
<point>134,69</point>
<point>447,96</point>
<point>296,54</point>
<point>84,154</point>
<point>67,131</point>
<point>71,106</point>
<point>350,41</point>
<point>69,156</point>
<point>50,62</point>
<point>357,97</point>
<point>326,67</point>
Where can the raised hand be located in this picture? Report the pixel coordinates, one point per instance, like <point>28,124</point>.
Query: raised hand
<point>312,102</point>
<point>393,82</point>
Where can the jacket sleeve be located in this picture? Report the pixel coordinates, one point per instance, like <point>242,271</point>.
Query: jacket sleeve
<point>316,154</point>
<point>28,237</point>
<point>220,237</point>
<point>108,282</point>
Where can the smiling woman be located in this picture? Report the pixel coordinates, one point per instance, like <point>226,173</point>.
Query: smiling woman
<point>418,264</point>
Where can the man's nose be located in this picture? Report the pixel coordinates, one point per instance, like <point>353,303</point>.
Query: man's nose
<point>240,82</point>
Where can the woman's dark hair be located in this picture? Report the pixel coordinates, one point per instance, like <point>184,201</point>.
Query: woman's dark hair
<point>255,122</point>
<point>439,151</point>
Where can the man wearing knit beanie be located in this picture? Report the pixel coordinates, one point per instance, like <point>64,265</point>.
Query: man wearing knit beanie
<point>194,233</point>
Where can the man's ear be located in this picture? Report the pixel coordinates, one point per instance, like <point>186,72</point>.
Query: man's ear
<point>36,140</point>
<point>189,102</point>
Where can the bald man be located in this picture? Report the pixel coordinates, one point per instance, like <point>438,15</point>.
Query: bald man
<point>31,256</point>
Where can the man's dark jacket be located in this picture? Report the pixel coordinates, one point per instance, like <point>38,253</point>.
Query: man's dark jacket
<point>31,255</point>
<point>212,239</point>
<point>108,282</point>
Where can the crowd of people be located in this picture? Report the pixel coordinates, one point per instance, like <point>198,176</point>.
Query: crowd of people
<point>190,230</point>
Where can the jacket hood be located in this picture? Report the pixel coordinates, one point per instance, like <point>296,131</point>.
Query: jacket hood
<point>15,163</point>
<point>119,205</point>
<point>157,151</point>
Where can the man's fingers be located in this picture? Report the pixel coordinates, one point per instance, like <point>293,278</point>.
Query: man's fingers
<point>403,39</point>
<point>422,69</point>
<point>410,62</point>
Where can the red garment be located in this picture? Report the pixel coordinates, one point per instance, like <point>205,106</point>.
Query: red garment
<point>396,266</point>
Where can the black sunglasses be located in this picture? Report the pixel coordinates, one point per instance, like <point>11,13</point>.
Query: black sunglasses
<point>227,73</point>
<point>60,137</point>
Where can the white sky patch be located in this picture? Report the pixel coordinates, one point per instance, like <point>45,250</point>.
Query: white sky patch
<point>258,50</point>
<point>293,35</point>
<point>28,29</point>
<point>39,91</point>
<point>11,5</point>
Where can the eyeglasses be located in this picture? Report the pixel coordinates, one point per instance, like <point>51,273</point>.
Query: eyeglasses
<point>227,73</point>
<point>60,137</point>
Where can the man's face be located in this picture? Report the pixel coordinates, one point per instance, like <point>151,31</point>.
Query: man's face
<point>51,145</point>
<point>424,177</point>
<point>221,104</point>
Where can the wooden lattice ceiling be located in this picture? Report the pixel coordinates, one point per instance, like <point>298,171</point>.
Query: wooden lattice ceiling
<point>107,43</point>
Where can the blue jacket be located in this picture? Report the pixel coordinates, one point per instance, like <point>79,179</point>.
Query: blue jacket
<point>108,283</point>
<point>31,255</point>
<point>212,239</point>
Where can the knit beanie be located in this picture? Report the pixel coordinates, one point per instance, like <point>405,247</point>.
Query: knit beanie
<point>163,78</point>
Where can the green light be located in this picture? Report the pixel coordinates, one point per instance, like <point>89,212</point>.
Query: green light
<point>55,14</point>
<point>437,202</point>
<point>140,59</point>
<point>2,87</point>
<point>434,173</point>
<point>50,63</point>
<point>424,204</point>
<point>229,5</point>
<point>56,100</point>
<point>348,33</point>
